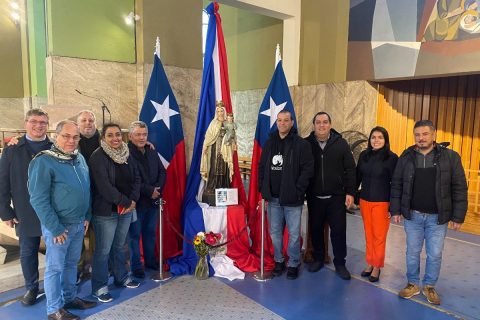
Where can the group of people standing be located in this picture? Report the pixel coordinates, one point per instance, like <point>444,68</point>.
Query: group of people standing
<point>426,186</point>
<point>59,187</point>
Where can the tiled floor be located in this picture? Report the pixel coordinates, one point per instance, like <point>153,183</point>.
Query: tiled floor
<point>321,295</point>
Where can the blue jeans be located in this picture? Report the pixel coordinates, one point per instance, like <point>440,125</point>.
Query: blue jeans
<point>61,266</point>
<point>424,226</point>
<point>145,227</point>
<point>277,215</point>
<point>29,260</point>
<point>110,235</point>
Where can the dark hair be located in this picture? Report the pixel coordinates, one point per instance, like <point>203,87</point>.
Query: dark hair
<point>286,111</point>
<point>386,148</point>
<point>109,125</point>
<point>424,123</point>
<point>321,113</point>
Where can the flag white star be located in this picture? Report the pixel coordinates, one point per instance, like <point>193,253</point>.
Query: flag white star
<point>163,111</point>
<point>273,111</point>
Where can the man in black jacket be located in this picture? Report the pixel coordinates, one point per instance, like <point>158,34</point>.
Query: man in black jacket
<point>429,189</point>
<point>330,192</point>
<point>13,187</point>
<point>285,168</point>
<point>152,174</point>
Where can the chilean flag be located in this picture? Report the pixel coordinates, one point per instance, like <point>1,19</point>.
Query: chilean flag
<point>215,87</point>
<point>161,113</point>
<point>277,98</point>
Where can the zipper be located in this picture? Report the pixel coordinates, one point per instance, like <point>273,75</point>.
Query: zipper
<point>79,180</point>
<point>323,177</point>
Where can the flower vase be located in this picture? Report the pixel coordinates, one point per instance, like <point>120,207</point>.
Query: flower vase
<point>201,270</point>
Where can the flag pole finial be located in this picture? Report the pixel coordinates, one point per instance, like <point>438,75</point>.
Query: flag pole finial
<point>157,47</point>
<point>278,55</point>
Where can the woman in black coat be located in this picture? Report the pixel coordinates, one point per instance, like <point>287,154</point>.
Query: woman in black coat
<point>374,172</point>
<point>116,189</point>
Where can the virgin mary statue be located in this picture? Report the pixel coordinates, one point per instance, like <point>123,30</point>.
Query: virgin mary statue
<point>214,168</point>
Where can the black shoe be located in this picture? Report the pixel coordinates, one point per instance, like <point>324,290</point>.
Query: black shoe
<point>343,272</point>
<point>366,274</point>
<point>139,273</point>
<point>104,297</point>
<point>375,279</point>
<point>30,297</point>
<point>62,314</point>
<point>79,304</point>
<point>292,273</point>
<point>315,266</point>
<point>279,269</point>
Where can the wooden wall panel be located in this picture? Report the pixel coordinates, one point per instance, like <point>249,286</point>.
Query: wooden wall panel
<point>453,105</point>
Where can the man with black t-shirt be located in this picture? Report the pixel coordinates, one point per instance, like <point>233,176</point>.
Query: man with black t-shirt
<point>429,189</point>
<point>285,168</point>
<point>13,188</point>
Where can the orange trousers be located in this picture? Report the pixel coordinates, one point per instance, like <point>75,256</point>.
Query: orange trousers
<point>376,222</point>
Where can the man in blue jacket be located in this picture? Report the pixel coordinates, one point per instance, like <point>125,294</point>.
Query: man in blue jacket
<point>59,187</point>
<point>13,189</point>
<point>152,174</point>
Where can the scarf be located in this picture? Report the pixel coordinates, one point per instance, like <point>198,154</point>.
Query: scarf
<point>119,155</point>
<point>60,154</point>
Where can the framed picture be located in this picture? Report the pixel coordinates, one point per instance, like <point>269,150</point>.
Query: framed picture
<point>226,196</point>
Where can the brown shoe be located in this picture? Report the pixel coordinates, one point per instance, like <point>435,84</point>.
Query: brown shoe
<point>62,314</point>
<point>79,304</point>
<point>409,291</point>
<point>431,294</point>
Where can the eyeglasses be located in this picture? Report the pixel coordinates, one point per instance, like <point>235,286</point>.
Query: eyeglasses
<point>69,137</point>
<point>40,123</point>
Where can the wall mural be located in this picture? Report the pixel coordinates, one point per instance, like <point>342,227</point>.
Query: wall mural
<point>391,39</point>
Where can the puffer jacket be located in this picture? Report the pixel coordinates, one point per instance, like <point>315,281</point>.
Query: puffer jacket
<point>450,185</point>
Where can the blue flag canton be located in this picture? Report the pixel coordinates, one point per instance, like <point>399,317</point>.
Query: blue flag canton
<point>276,98</point>
<point>161,113</point>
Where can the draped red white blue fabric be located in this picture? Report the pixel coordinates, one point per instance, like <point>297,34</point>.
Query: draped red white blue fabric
<point>277,98</point>
<point>161,113</point>
<point>215,87</point>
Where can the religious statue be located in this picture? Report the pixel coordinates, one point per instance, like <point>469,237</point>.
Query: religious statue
<point>216,166</point>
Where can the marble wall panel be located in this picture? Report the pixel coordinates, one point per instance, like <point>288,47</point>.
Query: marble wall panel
<point>12,111</point>
<point>246,105</point>
<point>112,82</point>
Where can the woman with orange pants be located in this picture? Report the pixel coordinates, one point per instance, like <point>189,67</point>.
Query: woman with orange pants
<point>374,172</point>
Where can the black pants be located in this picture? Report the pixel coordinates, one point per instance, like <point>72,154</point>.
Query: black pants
<point>333,211</point>
<point>29,260</point>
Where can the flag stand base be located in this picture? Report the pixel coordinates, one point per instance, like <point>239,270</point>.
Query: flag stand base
<point>258,276</point>
<point>161,276</point>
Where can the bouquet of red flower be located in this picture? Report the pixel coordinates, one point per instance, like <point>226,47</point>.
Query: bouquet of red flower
<point>203,244</point>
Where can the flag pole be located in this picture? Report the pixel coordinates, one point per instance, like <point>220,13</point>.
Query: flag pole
<point>157,47</point>
<point>161,275</point>
<point>262,276</point>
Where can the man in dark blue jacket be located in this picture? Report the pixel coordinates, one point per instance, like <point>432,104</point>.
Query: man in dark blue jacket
<point>429,190</point>
<point>285,168</point>
<point>152,175</point>
<point>13,188</point>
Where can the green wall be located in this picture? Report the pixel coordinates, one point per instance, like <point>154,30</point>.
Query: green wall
<point>179,26</point>
<point>91,29</point>
<point>11,77</point>
<point>323,41</point>
<point>251,40</point>
<point>37,47</point>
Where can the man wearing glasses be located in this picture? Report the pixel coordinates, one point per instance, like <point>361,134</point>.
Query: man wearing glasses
<point>13,188</point>
<point>59,186</point>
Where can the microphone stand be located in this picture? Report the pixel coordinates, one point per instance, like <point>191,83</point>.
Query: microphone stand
<point>104,106</point>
